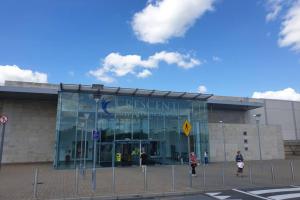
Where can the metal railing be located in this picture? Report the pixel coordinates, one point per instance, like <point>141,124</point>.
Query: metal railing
<point>48,183</point>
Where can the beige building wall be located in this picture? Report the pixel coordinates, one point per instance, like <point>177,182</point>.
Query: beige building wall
<point>30,131</point>
<point>271,141</point>
<point>30,135</point>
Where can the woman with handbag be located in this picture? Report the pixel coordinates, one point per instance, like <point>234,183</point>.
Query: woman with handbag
<point>193,160</point>
<point>240,163</point>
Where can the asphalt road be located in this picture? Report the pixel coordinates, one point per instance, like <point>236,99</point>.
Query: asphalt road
<point>189,197</point>
<point>279,193</point>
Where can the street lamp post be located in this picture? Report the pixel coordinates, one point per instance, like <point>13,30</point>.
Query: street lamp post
<point>224,144</point>
<point>75,147</point>
<point>224,149</point>
<point>257,118</point>
<point>3,121</point>
<point>81,148</point>
<point>86,117</point>
<point>97,99</point>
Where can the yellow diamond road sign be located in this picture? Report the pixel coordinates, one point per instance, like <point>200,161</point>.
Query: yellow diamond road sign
<point>186,128</point>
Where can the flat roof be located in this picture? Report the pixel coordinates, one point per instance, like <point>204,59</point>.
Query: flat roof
<point>233,105</point>
<point>22,90</point>
<point>27,92</point>
<point>17,92</point>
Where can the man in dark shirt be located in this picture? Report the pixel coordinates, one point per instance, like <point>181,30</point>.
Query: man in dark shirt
<point>144,158</point>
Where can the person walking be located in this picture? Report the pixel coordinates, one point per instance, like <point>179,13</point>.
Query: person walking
<point>205,157</point>
<point>193,160</point>
<point>144,159</point>
<point>240,163</point>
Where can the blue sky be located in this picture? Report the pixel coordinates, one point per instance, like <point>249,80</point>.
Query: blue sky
<point>230,47</point>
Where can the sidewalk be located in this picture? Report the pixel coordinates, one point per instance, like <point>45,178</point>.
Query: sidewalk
<point>16,181</point>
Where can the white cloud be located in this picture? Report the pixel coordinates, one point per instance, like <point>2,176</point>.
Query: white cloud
<point>116,65</point>
<point>161,20</point>
<point>290,28</point>
<point>183,61</point>
<point>15,73</point>
<point>102,75</point>
<point>202,89</point>
<point>274,8</point>
<point>216,59</point>
<point>145,73</point>
<point>285,94</point>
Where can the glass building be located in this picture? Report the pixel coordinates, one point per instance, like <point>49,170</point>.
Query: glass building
<point>128,122</point>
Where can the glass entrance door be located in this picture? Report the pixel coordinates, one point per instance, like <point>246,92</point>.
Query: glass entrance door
<point>104,154</point>
<point>127,153</point>
<point>155,150</point>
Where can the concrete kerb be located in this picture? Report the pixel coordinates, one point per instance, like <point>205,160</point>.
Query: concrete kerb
<point>135,196</point>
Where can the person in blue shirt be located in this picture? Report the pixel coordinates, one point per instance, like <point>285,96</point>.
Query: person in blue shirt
<point>239,157</point>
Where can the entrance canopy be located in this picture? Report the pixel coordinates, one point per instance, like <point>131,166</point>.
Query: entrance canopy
<point>96,88</point>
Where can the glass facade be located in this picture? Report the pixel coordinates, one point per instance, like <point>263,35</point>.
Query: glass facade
<point>127,126</point>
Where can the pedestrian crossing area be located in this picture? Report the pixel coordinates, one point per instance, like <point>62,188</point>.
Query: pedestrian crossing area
<point>282,193</point>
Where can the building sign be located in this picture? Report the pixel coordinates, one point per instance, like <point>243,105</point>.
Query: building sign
<point>186,128</point>
<point>96,135</point>
<point>140,106</point>
<point>104,104</point>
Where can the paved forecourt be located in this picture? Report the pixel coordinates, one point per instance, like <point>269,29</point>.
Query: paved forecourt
<point>16,181</point>
<point>277,193</point>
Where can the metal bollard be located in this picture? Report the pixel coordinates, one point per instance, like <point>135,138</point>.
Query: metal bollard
<point>173,178</point>
<point>145,179</point>
<point>292,172</point>
<point>250,175</point>
<point>223,175</point>
<point>190,177</point>
<point>273,175</point>
<point>94,179</point>
<point>113,181</point>
<point>204,177</point>
<point>76,180</point>
<point>35,181</point>
<point>83,172</point>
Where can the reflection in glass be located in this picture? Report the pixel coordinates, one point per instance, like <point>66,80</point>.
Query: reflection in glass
<point>128,125</point>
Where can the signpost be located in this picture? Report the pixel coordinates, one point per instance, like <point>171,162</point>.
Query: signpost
<point>3,121</point>
<point>96,135</point>
<point>95,138</point>
<point>187,127</point>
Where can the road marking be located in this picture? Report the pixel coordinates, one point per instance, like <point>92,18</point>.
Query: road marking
<point>240,191</point>
<point>215,195</point>
<point>274,190</point>
<point>285,196</point>
<point>222,197</point>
